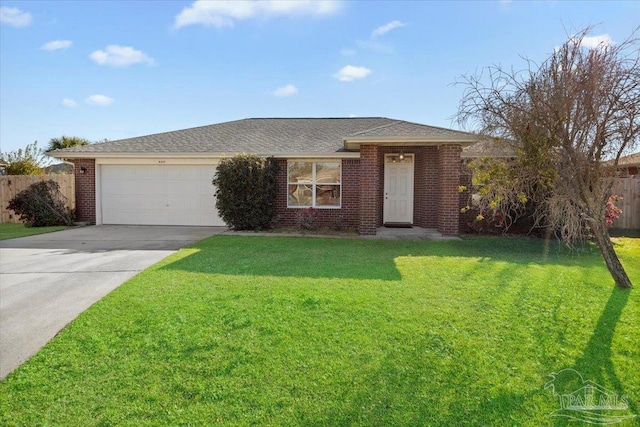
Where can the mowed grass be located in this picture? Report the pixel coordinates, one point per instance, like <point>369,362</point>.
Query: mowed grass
<point>12,231</point>
<point>333,332</point>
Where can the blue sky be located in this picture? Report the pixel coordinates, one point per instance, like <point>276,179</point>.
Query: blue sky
<point>118,69</point>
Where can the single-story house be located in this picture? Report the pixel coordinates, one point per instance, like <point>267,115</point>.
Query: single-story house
<point>59,168</point>
<point>360,172</point>
<point>629,165</point>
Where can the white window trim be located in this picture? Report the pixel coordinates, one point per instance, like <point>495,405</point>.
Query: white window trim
<point>314,183</point>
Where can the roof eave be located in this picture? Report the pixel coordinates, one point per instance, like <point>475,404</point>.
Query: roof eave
<point>354,143</point>
<point>208,155</point>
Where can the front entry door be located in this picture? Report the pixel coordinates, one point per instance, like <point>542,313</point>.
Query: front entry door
<point>398,189</point>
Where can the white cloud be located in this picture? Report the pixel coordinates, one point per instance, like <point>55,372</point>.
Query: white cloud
<point>14,17</point>
<point>593,42</point>
<point>56,45</point>
<point>347,52</point>
<point>120,56</point>
<point>287,90</point>
<point>224,13</point>
<point>351,73</point>
<point>98,99</point>
<point>375,46</point>
<point>589,42</point>
<point>351,116</point>
<point>70,103</point>
<point>386,28</point>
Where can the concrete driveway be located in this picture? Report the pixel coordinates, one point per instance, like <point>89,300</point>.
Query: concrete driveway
<point>46,281</point>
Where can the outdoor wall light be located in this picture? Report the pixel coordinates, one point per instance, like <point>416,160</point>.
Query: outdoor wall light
<point>401,156</point>
<point>83,169</point>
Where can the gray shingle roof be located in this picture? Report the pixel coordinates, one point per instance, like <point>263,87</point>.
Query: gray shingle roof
<point>266,136</point>
<point>401,128</point>
<point>488,148</point>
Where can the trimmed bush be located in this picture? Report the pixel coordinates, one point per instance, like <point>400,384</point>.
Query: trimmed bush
<point>306,219</point>
<point>246,188</point>
<point>42,205</point>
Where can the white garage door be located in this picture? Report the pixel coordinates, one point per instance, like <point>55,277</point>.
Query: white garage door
<point>158,195</point>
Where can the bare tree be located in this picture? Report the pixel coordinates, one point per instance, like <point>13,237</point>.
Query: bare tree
<point>568,121</point>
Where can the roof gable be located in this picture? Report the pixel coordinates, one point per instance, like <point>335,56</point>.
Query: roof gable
<point>403,129</point>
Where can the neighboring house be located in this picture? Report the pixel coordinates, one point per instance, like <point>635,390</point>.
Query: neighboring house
<point>358,172</point>
<point>59,168</point>
<point>488,148</point>
<point>629,165</point>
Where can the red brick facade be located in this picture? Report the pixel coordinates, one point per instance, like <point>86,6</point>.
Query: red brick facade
<point>370,189</point>
<point>426,187</point>
<point>372,185</point>
<point>345,217</point>
<point>436,197</point>
<point>85,172</point>
<point>436,180</point>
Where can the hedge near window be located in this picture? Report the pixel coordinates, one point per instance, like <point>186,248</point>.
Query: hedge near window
<point>246,188</point>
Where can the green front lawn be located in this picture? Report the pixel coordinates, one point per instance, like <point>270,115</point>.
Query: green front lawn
<point>11,231</point>
<point>333,332</point>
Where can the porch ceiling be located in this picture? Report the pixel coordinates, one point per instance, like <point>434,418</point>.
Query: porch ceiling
<point>354,143</point>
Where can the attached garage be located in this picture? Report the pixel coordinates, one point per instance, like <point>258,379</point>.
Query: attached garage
<point>160,194</point>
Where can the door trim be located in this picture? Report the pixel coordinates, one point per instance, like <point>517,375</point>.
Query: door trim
<point>409,161</point>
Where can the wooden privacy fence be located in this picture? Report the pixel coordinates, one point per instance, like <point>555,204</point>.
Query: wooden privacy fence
<point>629,189</point>
<point>10,185</point>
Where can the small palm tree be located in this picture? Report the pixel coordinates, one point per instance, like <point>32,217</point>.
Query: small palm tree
<point>66,142</point>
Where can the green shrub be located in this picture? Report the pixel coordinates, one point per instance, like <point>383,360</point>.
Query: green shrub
<point>29,161</point>
<point>42,205</point>
<point>306,219</point>
<point>246,187</point>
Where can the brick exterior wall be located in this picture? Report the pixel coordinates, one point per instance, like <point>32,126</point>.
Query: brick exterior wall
<point>85,190</point>
<point>371,189</point>
<point>426,187</point>
<point>345,217</point>
<point>448,181</point>
<point>435,184</point>
<point>437,201</point>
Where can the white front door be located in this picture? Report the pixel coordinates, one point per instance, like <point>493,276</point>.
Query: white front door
<point>398,189</point>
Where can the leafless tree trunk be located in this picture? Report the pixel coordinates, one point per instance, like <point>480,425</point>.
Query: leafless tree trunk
<point>611,259</point>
